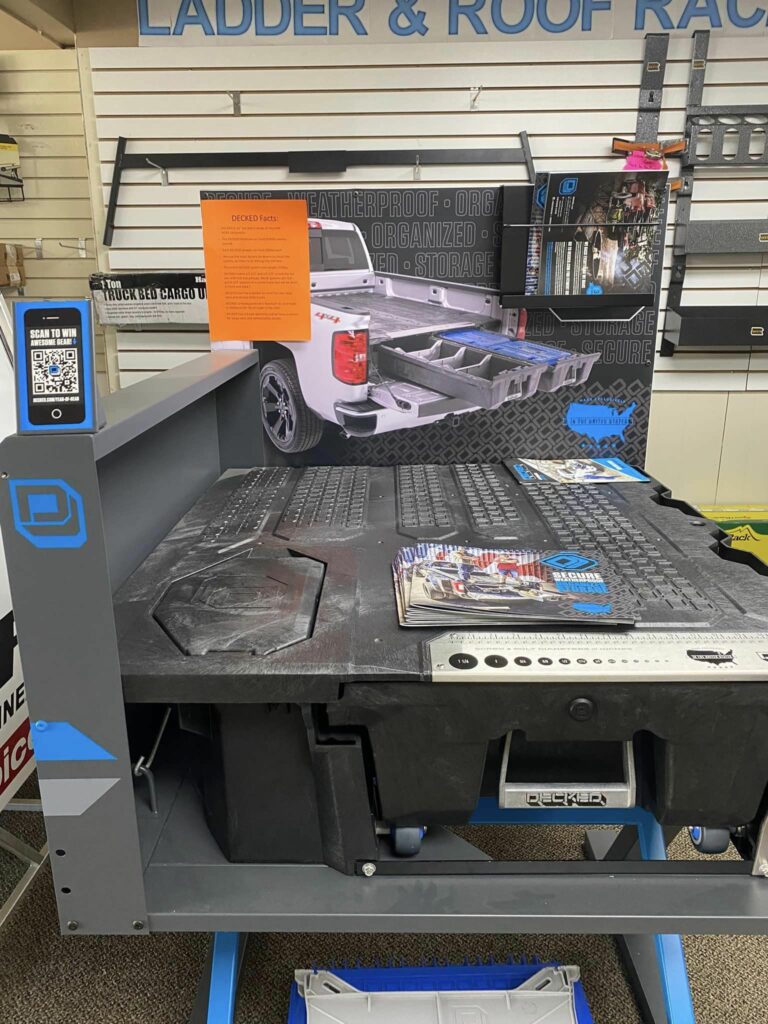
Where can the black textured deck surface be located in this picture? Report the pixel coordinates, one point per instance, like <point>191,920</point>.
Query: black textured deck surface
<point>352,520</point>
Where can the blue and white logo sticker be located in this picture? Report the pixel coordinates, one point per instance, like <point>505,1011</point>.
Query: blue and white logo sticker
<point>570,561</point>
<point>49,513</point>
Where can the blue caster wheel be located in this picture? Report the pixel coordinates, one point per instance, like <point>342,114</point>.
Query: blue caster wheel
<point>710,840</point>
<point>407,841</point>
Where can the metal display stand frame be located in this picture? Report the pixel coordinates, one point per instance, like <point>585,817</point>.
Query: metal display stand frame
<point>119,868</point>
<point>34,859</point>
<point>723,137</point>
<point>28,855</point>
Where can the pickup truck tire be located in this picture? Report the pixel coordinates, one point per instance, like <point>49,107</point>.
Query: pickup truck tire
<point>290,424</point>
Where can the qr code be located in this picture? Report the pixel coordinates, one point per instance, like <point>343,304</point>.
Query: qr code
<point>55,372</point>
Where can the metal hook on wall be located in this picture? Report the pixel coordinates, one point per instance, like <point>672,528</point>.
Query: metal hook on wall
<point>474,96</point>
<point>163,171</point>
<point>80,248</point>
<point>37,251</point>
<point>237,108</point>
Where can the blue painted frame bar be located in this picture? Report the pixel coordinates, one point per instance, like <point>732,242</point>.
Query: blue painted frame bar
<point>669,948</point>
<point>225,963</point>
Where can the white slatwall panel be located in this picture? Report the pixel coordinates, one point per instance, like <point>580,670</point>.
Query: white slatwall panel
<point>571,97</point>
<point>40,106</point>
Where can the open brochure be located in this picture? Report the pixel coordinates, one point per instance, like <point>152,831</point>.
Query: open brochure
<point>576,471</point>
<point>451,585</point>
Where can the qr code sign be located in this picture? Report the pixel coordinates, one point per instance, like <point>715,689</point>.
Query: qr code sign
<point>55,372</point>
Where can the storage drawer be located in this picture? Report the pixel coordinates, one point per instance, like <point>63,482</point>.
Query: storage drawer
<point>484,379</point>
<point>561,368</point>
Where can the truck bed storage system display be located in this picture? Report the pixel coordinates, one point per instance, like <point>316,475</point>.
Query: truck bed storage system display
<point>280,531</point>
<point>338,724</point>
<point>725,137</point>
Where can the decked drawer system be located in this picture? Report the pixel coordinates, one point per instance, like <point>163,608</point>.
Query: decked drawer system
<point>483,368</point>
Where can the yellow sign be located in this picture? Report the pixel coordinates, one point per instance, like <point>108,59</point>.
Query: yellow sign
<point>9,152</point>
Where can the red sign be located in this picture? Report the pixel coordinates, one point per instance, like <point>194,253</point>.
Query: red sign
<point>15,754</point>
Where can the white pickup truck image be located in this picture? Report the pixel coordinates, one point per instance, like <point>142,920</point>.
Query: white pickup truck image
<point>390,352</point>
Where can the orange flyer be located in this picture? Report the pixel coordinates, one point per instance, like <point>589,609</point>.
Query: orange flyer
<point>257,269</point>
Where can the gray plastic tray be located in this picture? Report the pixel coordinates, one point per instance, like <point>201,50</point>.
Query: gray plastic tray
<point>546,997</point>
<point>562,368</point>
<point>485,379</point>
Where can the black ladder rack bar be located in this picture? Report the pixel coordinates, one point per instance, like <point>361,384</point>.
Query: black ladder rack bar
<point>306,162</point>
<point>726,236</point>
<point>714,327</point>
<point>652,86</point>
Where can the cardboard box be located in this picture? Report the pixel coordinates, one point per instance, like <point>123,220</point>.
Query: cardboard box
<point>746,524</point>
<point>12,273</point>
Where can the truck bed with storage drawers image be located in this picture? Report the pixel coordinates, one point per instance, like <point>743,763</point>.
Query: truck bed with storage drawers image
<point>391,352</point>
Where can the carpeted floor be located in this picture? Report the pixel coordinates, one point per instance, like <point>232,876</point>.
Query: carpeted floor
<point>48,979</point>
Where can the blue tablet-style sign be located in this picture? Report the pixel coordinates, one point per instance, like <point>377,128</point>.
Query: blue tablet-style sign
<point>49,513</point>
<point>55,381</point>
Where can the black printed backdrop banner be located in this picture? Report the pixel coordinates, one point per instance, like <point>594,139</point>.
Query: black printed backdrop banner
<point>453,235</point>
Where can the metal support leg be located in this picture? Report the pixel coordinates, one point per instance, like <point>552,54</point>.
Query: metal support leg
<point>34,859</point>
<point>19,848</point>
<point>216,998</point>
<point>654,964</point>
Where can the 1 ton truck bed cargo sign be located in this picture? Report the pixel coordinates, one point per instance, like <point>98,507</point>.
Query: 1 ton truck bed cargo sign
<point>201,22</point>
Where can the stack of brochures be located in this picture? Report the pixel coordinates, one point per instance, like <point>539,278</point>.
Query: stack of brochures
<point>451,585</point>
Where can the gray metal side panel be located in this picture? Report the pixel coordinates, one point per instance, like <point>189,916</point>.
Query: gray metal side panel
<point>238,410</point>
<point>148,484</point>
<point>63,608</point>
<point>312,898</point>
<point>138,408</point>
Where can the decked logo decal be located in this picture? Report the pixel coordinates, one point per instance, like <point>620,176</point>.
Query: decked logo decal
<point>49,513</point>
<point>570,561</point>
<point>566,798</point>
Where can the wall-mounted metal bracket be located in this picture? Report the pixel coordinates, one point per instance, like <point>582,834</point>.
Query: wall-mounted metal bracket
<point>652,86</point>
<point>716,136</point>
<point>80,248</point>
<point>237,108</point>
<point>306,162</point>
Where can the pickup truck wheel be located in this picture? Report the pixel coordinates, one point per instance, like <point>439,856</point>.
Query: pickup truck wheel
<point>290,424</point>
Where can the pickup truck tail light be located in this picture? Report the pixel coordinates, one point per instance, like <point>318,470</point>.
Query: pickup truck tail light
<point>350,356</point>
